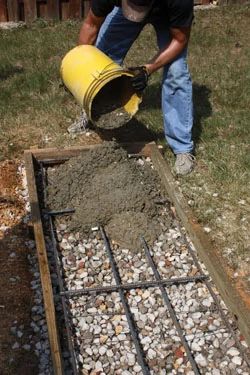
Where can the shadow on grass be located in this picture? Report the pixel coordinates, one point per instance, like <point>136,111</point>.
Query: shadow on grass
<point>133,131</point>
<point>202,109</point>
<point>9,71</point>
<point>137,131</point>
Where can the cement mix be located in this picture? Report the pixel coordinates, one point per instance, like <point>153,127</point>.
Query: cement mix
<point>106,187</point>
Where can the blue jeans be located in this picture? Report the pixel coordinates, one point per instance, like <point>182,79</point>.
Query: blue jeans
<point>116,36</point>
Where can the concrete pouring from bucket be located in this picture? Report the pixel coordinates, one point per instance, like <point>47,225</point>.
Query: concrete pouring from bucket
<point>107,110</point>
<point>101,86</point>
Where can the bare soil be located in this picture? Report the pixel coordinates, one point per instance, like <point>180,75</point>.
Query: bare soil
<point>15,297</point>
<point>105,187</point>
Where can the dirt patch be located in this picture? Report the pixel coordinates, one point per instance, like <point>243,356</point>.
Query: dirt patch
<point>16,297</point>
<point>106,187</point>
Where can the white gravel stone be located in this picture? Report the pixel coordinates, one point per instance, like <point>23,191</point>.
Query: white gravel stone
<point>16,345</point>
<point>201,360</point>
<point>233,352</point>
<point>27,347</point>
<point>131,359</point>
<point>216,372</point>
<point>151,354</point>
<point>102,350</point>
<point>137,369</point>
<point>237,360</point>
<point>195,347</point>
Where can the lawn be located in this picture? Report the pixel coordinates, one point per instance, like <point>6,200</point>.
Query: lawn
<point>35,109</point>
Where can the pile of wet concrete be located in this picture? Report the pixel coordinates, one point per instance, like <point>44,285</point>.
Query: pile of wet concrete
<point>106,187</point>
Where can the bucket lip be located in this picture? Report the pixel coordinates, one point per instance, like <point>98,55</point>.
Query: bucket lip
<point>107,77</point>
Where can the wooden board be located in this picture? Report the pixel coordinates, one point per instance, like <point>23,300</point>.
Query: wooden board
<point>53,9</point>
<point>86,7</point>
<point>64,10</point>
<point>12,6</point>
<point>58,154</point>
<point>3,11</point>
<point>75,9</point>
<point>43,266</point>
<point>30,10</point>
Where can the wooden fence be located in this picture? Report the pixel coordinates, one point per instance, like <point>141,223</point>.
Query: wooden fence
<point>29,10</point>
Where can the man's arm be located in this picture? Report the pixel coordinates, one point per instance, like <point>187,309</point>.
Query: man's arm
<point>90,28</point>
<point>179,41</point>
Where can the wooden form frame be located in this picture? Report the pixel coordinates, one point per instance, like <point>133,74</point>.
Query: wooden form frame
<point>217,268</point>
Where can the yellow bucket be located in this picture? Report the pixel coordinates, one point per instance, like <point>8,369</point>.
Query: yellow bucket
<point>100,85</point>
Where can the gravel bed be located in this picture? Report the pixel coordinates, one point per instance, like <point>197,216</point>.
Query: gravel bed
<point>102,341</point>
<point>101,319</point>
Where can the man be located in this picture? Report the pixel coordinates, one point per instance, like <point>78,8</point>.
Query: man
<point>113,26</point>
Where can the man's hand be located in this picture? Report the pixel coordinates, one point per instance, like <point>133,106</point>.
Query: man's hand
<point>140,78</point>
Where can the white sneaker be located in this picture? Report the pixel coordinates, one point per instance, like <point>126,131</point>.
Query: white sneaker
<point>80,126</point>
<point>184,163</point>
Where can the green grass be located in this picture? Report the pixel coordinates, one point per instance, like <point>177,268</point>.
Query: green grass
<point>36,110</point>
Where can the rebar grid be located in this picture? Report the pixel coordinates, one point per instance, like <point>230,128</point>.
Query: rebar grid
<point>130,319</point>
<point>213,295</point>
<point>121,288</point>
<point>170,308</point>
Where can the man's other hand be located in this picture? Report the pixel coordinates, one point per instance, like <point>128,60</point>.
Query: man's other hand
<point>140,78</point>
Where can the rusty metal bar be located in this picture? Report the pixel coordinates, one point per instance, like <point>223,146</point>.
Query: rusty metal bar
<point>129,316</point>
<point>142,284</point>
<point>215,298</point>
<point>170,309</point>
<point>63,299</point>
<point>66,211</point>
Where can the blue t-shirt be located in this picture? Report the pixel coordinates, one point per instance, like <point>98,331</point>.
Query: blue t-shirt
<point>177,13</point>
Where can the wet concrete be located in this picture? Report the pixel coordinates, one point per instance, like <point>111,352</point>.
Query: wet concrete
<point>108,107</point>
<point>106,187</point>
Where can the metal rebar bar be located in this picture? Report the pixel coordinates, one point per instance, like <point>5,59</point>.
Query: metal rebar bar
<point>141,284</point>
<point>43,176</point>
<point>46,162</point>
<point>65,211</point>
<point>170,309</point>
<point>129,316</point>
<point>63,299</point>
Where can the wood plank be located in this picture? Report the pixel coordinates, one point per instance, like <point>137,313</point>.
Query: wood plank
<point>53,9</point>
<point>56,153</point>
<point>43,266</point>
<point>30,10</point>
<point>3,11</point>
<point>42,9</point>
<point>86,7</point>
<point>64,10</point>
<point>12,7</point>
<point>207,252</point>
<point>75,9</point>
